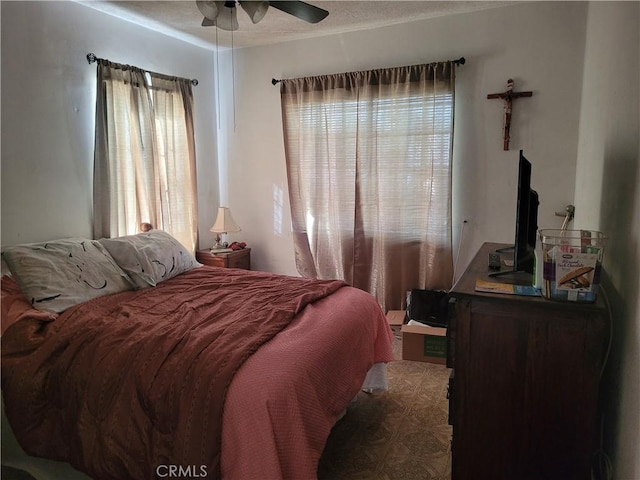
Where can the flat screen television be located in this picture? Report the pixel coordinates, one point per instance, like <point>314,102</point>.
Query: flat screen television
<point>526,222</point>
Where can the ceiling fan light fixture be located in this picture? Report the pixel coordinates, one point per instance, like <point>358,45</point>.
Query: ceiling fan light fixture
<point>255,9</point>
<point>227,18</point>
<point>208,9</point>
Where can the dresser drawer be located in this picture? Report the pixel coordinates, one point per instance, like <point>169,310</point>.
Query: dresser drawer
<point>237,259</point>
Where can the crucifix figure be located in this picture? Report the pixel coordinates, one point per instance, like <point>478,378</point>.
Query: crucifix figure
<point>508,98</point>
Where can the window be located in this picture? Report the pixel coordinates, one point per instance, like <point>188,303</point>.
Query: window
<point>369,166</point>
<point>145,154</point>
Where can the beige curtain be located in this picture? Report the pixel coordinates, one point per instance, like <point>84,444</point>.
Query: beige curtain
<point>369,169</point>
<point>144,165</point>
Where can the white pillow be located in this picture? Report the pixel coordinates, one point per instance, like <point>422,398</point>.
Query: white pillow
<point>5,268</point>
<point>151,257</point>
<point>59,274</point>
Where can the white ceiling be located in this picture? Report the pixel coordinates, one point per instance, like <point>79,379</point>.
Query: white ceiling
<point>182,19</point>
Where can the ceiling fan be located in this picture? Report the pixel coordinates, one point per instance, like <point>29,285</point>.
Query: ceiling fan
<point>224,16</point>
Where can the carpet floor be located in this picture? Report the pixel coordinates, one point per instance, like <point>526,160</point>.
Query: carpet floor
<point>400,434</point>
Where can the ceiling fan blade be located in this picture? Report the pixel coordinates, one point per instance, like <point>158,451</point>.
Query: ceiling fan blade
<point>302,10</point>
<point>207,23</point>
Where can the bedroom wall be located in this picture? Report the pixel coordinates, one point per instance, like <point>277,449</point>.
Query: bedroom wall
<point>608,198</point>
<point>48,109</point>
<point>539,44</point>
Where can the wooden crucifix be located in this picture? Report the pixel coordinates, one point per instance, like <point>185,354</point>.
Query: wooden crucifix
<point>508,98</point>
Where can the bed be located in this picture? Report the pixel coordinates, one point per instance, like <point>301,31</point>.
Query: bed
<point>141,363</point>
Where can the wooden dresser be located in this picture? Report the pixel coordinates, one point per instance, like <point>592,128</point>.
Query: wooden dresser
<point>235,259</point>
<point>525,381</point>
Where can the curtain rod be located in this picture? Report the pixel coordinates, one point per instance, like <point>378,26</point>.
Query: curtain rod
<point>91,58</point>
<point>460,61</point>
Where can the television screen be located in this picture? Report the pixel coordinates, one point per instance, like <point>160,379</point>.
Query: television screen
<point>526,221</point>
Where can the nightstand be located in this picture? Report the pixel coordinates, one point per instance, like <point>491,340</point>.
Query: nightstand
<point>235,259</point>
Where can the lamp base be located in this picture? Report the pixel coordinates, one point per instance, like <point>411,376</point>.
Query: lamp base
<point>219,247</point>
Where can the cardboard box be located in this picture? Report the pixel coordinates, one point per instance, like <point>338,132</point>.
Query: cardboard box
<point>424,344</point>
<point>395,317</point>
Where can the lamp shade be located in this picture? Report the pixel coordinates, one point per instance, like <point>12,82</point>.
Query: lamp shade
<point>224,222</point>
<point>208,9</point>
<point>255,10</point>
<point>227,18</point>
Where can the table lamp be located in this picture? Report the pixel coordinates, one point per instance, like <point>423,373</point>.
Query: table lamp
<point>224,224</point>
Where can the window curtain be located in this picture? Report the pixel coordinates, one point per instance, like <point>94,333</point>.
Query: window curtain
<point>368,159</point>
<point>144,164</point>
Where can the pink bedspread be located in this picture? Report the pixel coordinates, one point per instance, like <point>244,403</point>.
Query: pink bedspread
<point>286,398</point>
<point>102,391</point>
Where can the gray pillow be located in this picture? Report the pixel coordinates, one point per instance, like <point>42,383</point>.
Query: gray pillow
<point>59,274</point>
<point>151,257</point>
